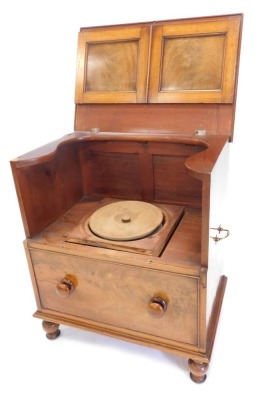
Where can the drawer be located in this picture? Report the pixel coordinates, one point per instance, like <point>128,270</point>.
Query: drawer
<point>121,295</point>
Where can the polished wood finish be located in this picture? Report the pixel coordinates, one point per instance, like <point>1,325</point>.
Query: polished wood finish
<point>166,149</point>
<point>198,370</point>
<point>179,119</point>
<point>112,65</point>
<point>180,52</point>
<point>191,61</point>
<point>182,252</point>
<point>109,165</point>
<point>194,61</point>
<point>215,314</point>
<point>157,307</point>
<point>119,295</point>
<point>194,96</point>
<point>65,287</point>
<point>51,258</point>
<point>126,220</point>
<point>51,329</point>
<point>122,56</point>
<point>151,244</point>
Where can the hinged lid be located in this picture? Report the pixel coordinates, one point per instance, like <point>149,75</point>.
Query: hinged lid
<point>176,76</point>
<point>126,220</point>
<point>133,226</point>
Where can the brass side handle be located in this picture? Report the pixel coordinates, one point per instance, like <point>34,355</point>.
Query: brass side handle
<point>66,286</point>
<point>157,307</point>
<point>220,230</point>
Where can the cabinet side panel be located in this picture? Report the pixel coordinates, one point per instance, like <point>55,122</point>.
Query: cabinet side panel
<point>47,189</point>
<point>217,218</point>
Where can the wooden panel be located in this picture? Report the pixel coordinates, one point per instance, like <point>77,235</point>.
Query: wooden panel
<point>112,65</point>
<point>147,171</point>
<point>119,295</point>
<point>182,253</point>
<point>50,179</point>
<point>48,189</point>
<point>219,216</point>
<point>106,61</point>
<point>216,119</point>
<point>152,244</point>
<point>172,182</point>
<point>115,174</point>
<point>195,62</point>
<point>192,63</point>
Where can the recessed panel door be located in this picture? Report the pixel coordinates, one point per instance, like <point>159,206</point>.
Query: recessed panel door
<point>194,62</point>
<point>112,65</point>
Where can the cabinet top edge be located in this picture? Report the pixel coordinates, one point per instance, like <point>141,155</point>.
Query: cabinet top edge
<point>44,153</point>
<point>238,16</point>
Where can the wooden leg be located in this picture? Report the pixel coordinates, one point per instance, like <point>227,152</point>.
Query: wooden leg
<point>198,370</point>
<point>51,329</point>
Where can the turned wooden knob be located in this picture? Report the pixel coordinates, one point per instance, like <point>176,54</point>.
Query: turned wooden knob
<point>65,287</point>
<point>157,307</point>
<point>126,218</point>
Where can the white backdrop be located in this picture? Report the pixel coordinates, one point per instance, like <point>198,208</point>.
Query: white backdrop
<point>38,56</point>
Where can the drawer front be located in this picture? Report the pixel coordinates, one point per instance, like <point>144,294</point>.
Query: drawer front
<point>119,295</point>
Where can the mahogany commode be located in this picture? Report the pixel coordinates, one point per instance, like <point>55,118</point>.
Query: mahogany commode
<point>118,214</point>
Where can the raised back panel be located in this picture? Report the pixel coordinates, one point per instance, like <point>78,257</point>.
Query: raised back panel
<point>180,185</point>
<point>115,175</point>
<point>145,171</point>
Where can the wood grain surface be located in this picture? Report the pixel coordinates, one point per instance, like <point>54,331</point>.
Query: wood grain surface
<point>119,295</point>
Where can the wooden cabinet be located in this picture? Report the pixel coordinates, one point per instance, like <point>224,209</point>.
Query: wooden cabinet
<point>167,150</point>
<point>161,62</point>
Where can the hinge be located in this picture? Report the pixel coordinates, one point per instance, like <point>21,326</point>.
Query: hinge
<point>200,132</point>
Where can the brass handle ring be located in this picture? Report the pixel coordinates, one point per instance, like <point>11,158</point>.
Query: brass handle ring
<point>217,238</point>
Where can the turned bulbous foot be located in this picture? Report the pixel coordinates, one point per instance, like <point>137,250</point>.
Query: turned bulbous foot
<point>198,370</point>
<point>51,329</point>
